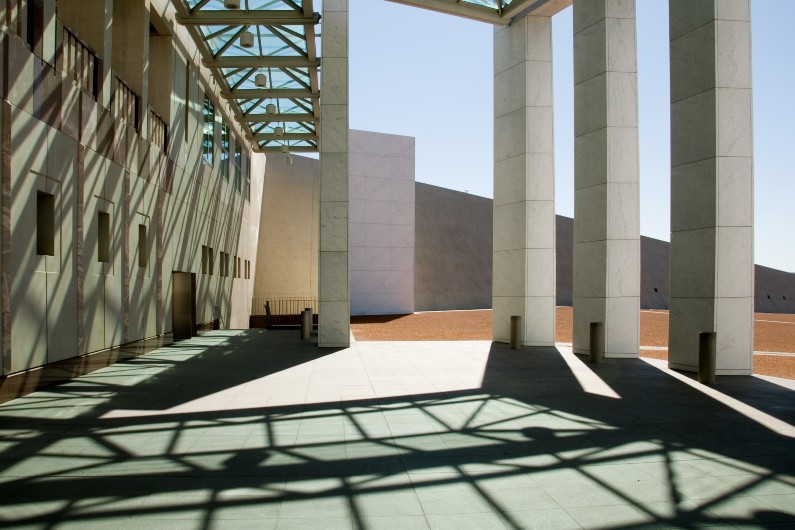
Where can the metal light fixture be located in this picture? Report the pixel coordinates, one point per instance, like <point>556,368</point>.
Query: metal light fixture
<point>232,4</point>
<point>279,131</point>
<point>246,39</point>
<point>270,108</point>
<point>261,80</point>
<point>286,149</point>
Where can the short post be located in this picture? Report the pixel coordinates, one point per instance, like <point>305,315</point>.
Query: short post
<point>306,323</point>
<point>217,317</point>
<point>516,332</point>
<point>706,358</point>
<point>597,341</point>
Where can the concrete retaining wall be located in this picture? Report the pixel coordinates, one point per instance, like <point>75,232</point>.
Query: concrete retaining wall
<point>453,259</point>
<point>452,268</point>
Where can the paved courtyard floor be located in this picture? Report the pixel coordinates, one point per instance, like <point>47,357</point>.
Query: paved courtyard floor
<point>254,429</point>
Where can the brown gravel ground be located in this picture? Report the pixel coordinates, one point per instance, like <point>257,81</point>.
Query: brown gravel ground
<point>772,333</point>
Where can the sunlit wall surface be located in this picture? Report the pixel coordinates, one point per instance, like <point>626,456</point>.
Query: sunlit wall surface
<point>106,192</point>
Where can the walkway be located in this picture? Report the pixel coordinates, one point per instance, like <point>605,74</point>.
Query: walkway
<point>253,429</point>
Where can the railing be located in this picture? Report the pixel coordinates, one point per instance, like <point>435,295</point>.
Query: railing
<point>80,62</point>
<point>125,103</point>
<point>158,131</point>
<point>282,306</point>
<point>281,313</point>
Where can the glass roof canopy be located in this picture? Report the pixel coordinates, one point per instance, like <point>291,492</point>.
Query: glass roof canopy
<point>284,51</point>
<point>285,109</point>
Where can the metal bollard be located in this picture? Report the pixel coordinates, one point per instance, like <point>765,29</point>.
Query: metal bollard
<point>516,332</point>
<point>306,323</point>
<point>597,345</point>
<point>706,358</point>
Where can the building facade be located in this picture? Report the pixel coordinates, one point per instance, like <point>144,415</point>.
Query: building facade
<point>123,171</point>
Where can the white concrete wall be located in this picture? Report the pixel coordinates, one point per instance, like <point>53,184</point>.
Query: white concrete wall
<point>382,206</point>
<point>381,228</point>
<point>287,253</point>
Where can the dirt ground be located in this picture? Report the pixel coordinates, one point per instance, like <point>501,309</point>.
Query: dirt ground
<point>773,333</point>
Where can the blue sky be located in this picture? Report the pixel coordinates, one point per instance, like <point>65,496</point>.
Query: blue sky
<point>427,75</point>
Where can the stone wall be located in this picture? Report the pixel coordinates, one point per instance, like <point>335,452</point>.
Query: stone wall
<point>454,238</point>
<point>453,250</point>
<point>774,291</point>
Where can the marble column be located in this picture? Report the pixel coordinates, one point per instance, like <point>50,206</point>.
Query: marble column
<point>333,284</point>
<point>606,218</point>
<point>712,235</point>
<point>524,182</point>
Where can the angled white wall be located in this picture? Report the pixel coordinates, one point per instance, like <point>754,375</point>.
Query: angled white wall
<point>381,223</point>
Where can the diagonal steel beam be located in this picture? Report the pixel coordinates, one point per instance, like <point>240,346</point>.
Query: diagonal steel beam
<point>544,8</point>
<point>256,93</point>
<point>458,8</point>
<point>500,16</point>
<point>277,149</point>
<point>260,62</point>
<point>278,118</point>
<point>248,18</point>
<point>287,137</point>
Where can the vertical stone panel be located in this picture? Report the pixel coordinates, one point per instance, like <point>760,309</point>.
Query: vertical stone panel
<point>606,259</point>
<point>333,286</point>
<point>712,282</point>
<point>524,182</point>
<point>5,239</point>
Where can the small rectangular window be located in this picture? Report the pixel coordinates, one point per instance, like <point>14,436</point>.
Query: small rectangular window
<point>32,17</point>
<point>204,259</point>
<point>103,237</point>
<point>186,117</point>
<point>210,260</point>
<point>45,224</point>
<point>143,255</point>
<point>224,264</point>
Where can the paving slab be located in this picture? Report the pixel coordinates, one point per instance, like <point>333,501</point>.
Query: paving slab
<point>256,428</point>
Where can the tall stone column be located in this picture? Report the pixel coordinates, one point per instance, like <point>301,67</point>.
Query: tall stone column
<point>606,219</point>
<point>333,286</point>
<point>712,234</point>
<point>524,182</point>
